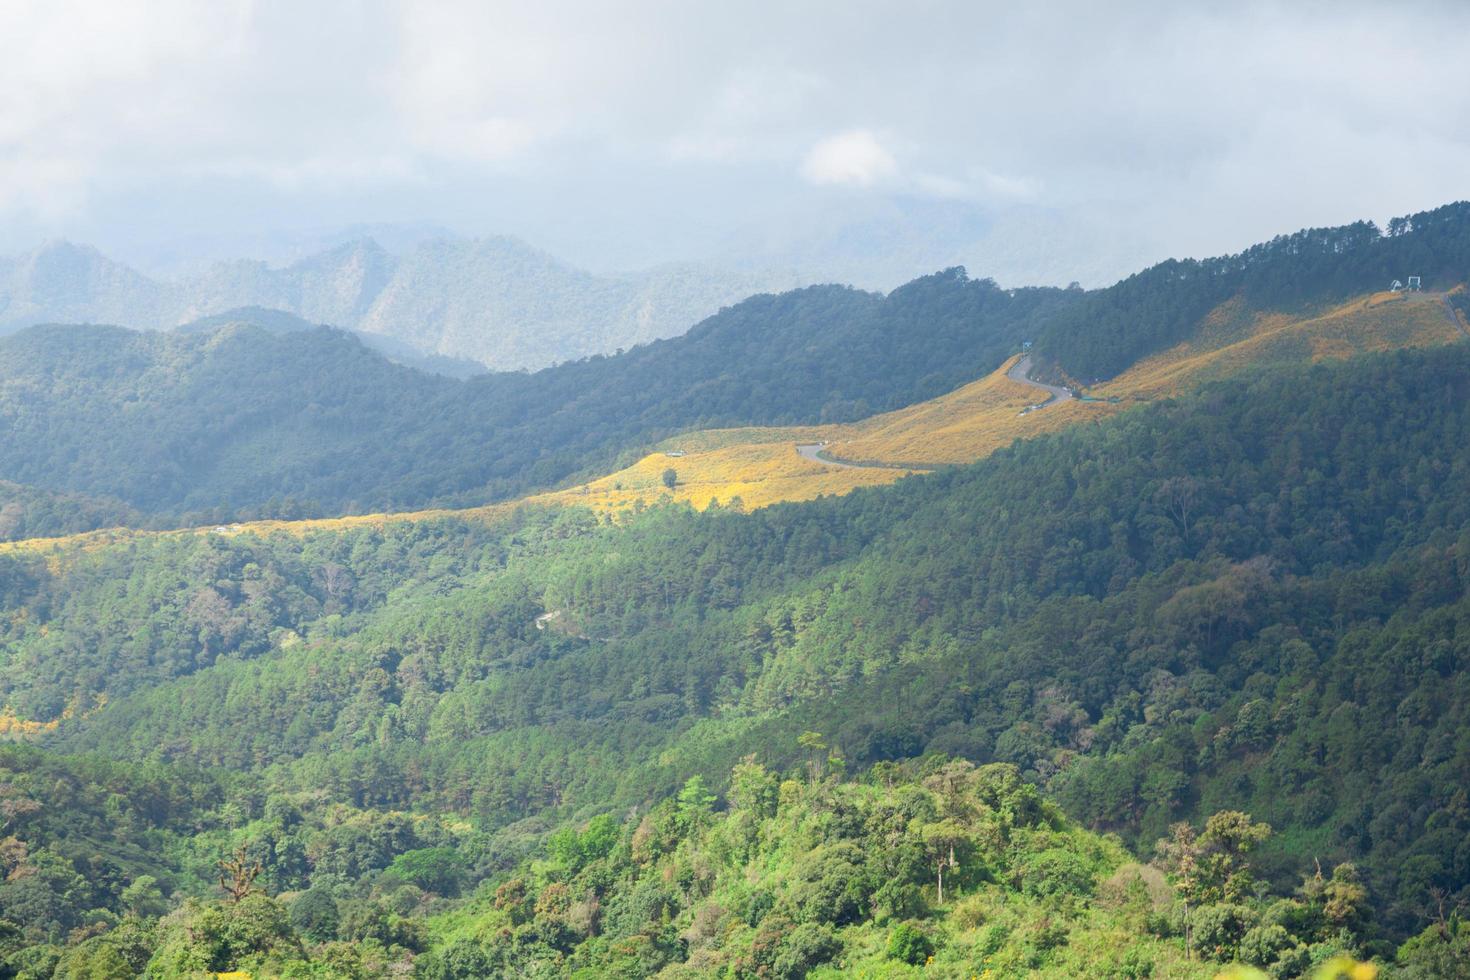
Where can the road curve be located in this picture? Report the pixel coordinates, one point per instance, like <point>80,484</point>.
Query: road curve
<point>813,452</point>
<point>1021,372</point>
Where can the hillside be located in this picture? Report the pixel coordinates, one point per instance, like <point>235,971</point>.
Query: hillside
<point>244,426</point>
<point>1153,310</point>
<point>596,732</point>
<point>760,466</point>
<point>1248,611</point>
<point>495,301</point>
<point>202,428</point>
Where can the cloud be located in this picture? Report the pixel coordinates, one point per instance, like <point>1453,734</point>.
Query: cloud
<point>855,158</point>
<point>643,126</point>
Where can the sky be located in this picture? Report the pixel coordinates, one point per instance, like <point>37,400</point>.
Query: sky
<point>1046,141</point>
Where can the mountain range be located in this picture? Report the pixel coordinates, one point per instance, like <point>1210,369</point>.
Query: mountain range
<point>496,301</point>
<point>957,631</point>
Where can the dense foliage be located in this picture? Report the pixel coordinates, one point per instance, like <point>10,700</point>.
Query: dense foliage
<point>1253,599</point>
<point>1163,305</point>
<point>202,428</point>
<point>934,868</point>
<point>26,512</point>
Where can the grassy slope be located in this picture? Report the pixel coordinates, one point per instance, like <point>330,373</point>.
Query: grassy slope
<point>760,466</point>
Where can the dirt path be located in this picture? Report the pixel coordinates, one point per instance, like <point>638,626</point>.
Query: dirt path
<point>1021,372</point>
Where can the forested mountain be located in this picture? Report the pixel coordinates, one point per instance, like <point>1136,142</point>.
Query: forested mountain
<point>1253,598</point>
<point>496,301</point>
<point>1175,686</point>
<point>1163,305</point>
<point>279,321</point>
<point>205,426</point>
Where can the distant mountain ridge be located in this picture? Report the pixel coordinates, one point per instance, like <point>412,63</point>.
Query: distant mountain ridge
<point>494,300</point>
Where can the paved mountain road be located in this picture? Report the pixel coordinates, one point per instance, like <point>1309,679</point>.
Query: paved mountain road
<point>1021,372</point>
<point>813,452</point>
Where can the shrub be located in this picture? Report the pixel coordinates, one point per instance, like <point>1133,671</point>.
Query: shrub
<point>1261,945</point>
<point>908,943</point>
<point>806,946</point>
<point>1218,928</point>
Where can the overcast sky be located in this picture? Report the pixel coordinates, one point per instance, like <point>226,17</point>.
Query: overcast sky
<point>624,133</point>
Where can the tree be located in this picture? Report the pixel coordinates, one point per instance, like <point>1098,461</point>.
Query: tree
<point>434,869</point>
<point>237,874</point>
<point>814,743</point>
<point>314,915</point>
<point>144,897</point>
<point>693,803</point>
<point>671,478</point>
<point>940,841</point>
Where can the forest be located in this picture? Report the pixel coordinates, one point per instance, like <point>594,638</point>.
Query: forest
<point>211,426</point>
<point>202,428</point>
<point>1250,600</point>
<point>1161,306</point>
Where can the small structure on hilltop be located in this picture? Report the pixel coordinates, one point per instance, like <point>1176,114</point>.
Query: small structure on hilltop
<point>1397,287</point>
<point>1414,284</point>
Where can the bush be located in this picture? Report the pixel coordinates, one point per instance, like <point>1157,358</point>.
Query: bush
<point>806,946</point>
<point>1261,945</point>
<point>1056,872</point>
<point>1218,929</point>
<point>908,943</point>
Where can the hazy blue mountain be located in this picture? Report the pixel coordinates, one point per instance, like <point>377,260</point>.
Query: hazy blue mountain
<point>495,300</point>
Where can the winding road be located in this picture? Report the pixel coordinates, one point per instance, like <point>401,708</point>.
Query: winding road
<point>1021,372</point>
<point>813,452</point>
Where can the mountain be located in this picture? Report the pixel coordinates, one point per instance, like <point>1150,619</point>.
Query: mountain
<point>1161,306</point>
<point>1204,605</point>
<point>279,321</point>
<point>1165,675</point>
<point>75,283</point>
<point>252,421</point>
<point>496,301</point>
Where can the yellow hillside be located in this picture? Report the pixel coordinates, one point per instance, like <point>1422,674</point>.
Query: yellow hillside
<point>960,427</point>
<point>761,466</point>
<point>1230,342</point>
<point>763,471</point>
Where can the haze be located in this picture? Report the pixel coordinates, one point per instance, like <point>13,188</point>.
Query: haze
<point>863,142</point>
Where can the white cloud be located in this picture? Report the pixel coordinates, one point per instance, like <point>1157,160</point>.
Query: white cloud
<point>855,158</point>
<point>1203,127</point>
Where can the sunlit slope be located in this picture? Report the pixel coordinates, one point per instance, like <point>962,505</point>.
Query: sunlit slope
<point>960,427</point>
<point>121,535</point>
<point>1231,341</point>
<point>754,467</point>
<point>760,466</point>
